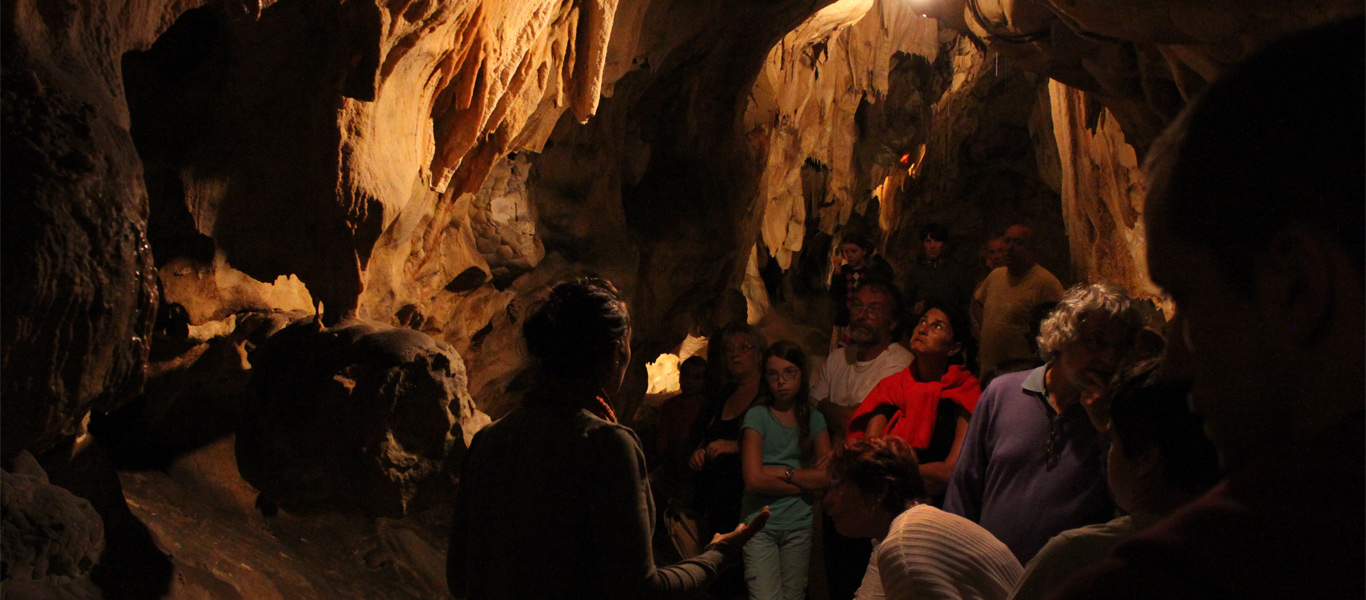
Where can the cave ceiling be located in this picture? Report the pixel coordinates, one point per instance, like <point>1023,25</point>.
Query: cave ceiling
<point>411,162</point>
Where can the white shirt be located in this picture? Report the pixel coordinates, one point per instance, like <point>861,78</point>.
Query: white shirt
<point>1074,550</point>
<point>847,385</point>
<point>929,553</point>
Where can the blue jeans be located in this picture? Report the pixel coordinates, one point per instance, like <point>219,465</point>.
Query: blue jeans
<point>776,564</point>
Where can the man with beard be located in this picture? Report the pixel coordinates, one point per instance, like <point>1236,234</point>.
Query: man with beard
<point>849,373</point>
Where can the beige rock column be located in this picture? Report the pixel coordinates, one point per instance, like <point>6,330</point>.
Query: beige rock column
<point>1103,192</point>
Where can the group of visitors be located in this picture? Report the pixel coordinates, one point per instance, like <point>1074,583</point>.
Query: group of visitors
<point>1088,476</point>
<point>1004,308</point>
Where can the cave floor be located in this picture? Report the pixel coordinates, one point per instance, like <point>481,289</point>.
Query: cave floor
<point>203,515</point>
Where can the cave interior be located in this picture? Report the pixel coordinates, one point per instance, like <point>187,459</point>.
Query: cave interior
<point>265,261</point>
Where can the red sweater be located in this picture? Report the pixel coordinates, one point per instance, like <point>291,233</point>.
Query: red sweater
<point>916,403</point>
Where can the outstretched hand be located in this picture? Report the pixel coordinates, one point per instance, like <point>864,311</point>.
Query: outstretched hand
<point>745,531</point>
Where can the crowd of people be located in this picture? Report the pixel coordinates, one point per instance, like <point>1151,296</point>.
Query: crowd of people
<point>997,439</point>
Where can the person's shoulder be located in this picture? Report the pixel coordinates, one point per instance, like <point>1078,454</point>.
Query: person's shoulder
<point>1006,384</point>
<point>1093,540</point>
<point>995,279</point>
<point>898,354</point>
<point>877,265</point>
<point>897,380</point>
<point>1043,276</point>
<point>757,417</point>
<point>606,435</point>
<point>913,522</point>
<point>682,403</point>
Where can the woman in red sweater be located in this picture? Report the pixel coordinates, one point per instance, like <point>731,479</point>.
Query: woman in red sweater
<point>929,403</point>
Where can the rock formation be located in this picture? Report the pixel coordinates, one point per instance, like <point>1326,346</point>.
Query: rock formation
<point>357,415</point>
<point>50,539</point>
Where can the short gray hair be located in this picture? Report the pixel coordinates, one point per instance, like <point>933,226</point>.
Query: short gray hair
<point>1063,325</point>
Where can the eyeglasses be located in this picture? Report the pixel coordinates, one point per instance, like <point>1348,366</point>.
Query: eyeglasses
<point>784,375</point>
<point>740,348</point>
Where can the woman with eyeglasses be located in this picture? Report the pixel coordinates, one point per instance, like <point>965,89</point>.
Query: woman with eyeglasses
<point>783,450</point>
<point>553,498</point>
<point>717,481</point>
<point>928,403</point>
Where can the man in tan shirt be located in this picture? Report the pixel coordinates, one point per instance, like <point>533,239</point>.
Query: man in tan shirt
<point>1003,301</point>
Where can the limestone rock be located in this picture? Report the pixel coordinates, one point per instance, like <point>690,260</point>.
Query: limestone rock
<point>361,414</point>
<point>195,391</point>
<point>805,107</point>
<point>50,539</point>
<point>1103,193</point>
<point>77,281</point>
<point>980,171</point>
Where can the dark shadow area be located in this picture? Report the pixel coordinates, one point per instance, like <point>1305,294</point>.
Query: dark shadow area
<point>131,565</point>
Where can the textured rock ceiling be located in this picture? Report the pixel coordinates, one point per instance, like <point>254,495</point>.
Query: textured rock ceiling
<point>428,165</point>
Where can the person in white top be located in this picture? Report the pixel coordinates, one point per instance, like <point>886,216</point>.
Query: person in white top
<point>849,373</point>
<point>921,551</point>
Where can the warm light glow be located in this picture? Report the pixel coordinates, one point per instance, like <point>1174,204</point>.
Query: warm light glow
<point>663,371</point>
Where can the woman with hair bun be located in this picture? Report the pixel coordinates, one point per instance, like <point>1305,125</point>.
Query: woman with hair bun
<point>553,498</point>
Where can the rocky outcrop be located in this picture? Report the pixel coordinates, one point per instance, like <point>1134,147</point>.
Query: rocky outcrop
<point>1128,68</point>
<point>1103,192</point>
<point>357,415</point>
<point>981,168</point>
<point>805,108</point>
<point>50,539</point>
<point>77,280</point>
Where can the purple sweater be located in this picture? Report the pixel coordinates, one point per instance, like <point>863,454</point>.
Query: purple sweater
<point>1026,473</point>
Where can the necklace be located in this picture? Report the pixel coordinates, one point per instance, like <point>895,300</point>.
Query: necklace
<point>611,415</point>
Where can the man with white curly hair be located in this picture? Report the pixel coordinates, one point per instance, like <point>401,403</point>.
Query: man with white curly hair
<point>1031,464</point>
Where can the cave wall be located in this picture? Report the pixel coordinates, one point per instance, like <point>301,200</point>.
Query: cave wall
<point>981,167</point>
<point>804,108</point>
<point>1120,72</point>
<point>77,282</point>
<point>1103,192</point>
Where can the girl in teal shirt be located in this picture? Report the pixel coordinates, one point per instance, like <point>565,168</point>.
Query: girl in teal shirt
<point>783,449</point>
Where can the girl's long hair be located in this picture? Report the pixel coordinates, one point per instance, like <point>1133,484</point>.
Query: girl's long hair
<point>801,404</point>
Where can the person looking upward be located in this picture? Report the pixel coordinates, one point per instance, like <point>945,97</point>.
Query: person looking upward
<point>928,403</point>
